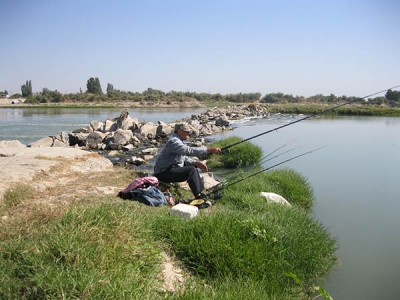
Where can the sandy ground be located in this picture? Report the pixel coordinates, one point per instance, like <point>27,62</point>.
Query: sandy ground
<point>8,101</point>
<point>20,164</point>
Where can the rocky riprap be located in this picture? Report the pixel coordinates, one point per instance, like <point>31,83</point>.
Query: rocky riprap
<point>127,141</point>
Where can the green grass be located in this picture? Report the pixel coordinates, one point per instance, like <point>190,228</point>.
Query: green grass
<point>94,252</point>
<point>247,247</point>
<point>236,246</point>
<point>15,195</point>
<point>241,248</point>
<point>348,110</point>
<point>285,182</point>
<point>242,155</point>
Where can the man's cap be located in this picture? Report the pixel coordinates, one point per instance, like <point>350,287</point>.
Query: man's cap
<point>184,127</point>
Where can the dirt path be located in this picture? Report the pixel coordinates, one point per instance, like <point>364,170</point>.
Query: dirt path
<point>21,164</point>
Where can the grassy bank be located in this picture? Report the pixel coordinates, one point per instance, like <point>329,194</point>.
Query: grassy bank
<point>348,110</point>
<point>285,108</point>
<point>100,247</point>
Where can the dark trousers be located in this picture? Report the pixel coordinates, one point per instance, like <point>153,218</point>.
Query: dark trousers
<point>180,174</point>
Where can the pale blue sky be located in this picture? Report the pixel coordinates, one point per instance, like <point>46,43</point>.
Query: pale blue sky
<point>344,47</point>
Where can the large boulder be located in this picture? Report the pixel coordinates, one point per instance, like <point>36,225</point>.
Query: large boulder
<point>163,129</point>
<point>110,125</point>
<point>222,121</point>
<point>148,130</point>
<point>95,140</point>
<point>58,143</point>
<point>96,125</point>
<point>129,124</point>
<point>77,139</point>
<point>44,142</point>
<point>119,138</point>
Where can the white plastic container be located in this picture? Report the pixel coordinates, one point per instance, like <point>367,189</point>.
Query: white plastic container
<point>184,211</point>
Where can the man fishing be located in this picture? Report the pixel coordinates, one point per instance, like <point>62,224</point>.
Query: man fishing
<point>175,165</point>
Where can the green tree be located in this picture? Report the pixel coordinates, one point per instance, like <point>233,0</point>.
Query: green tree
<point>26,89</point>
<point>110,89</point>
<point>393,95</point>
<point>272,98</point>
<point>93,86</point>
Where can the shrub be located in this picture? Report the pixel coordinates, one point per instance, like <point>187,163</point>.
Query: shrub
<point>242,155</point>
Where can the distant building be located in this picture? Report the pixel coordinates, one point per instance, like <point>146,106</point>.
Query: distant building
<point>4,94</point>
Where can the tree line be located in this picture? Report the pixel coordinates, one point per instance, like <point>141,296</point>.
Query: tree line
<point>94,93</point>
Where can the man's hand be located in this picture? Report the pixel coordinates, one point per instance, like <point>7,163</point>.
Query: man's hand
<point>214,150</point>
<point>202,166</point>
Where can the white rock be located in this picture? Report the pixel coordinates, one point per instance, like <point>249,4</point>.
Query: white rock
<point>184,211</point>
<point>275,198</point>
<point>150,151</point>
<point>11,144</point>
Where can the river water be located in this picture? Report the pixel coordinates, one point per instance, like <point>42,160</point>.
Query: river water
<point>356,181</point>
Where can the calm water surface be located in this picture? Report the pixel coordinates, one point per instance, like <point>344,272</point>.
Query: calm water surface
<point>356,182</point>
<point>29,125</point>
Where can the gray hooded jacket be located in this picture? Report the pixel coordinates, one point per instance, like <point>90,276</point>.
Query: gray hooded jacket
<point>175,154</point>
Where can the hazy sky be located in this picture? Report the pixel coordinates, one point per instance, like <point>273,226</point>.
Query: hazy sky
<point>344,47</point>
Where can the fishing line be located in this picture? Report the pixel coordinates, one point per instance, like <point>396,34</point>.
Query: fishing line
<point>277,149</point>
<point>261,171</point>
<point>260,162</point>
<point>280,154</point>
<point>305,118</point>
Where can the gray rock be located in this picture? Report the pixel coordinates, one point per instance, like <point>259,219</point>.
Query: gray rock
<point>58,143</point>
<point>77,139</point>
<point>137,161</point>
<point>86,129</point>
<point>148,130</point>
<point>222,121</point>
<point>150,151</point>
<point>148,157</point>
<point>95,140</point>
<point>163,130</point>
<point>96,125</point>
<point>129,124</point>
<point>110,125</point>
<point>120,138</point>
<point>128,147</point>
<point>44,142</point>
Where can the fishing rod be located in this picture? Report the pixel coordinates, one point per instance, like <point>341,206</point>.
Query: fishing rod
<point>254,166</point>
<point>277,149</point>
<point>260,162</point>
<point>223,149</point>
<point>280,154</point>
<point>216,190</point>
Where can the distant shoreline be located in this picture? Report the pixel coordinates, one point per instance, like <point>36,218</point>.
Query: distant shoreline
<point>285,108</point>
